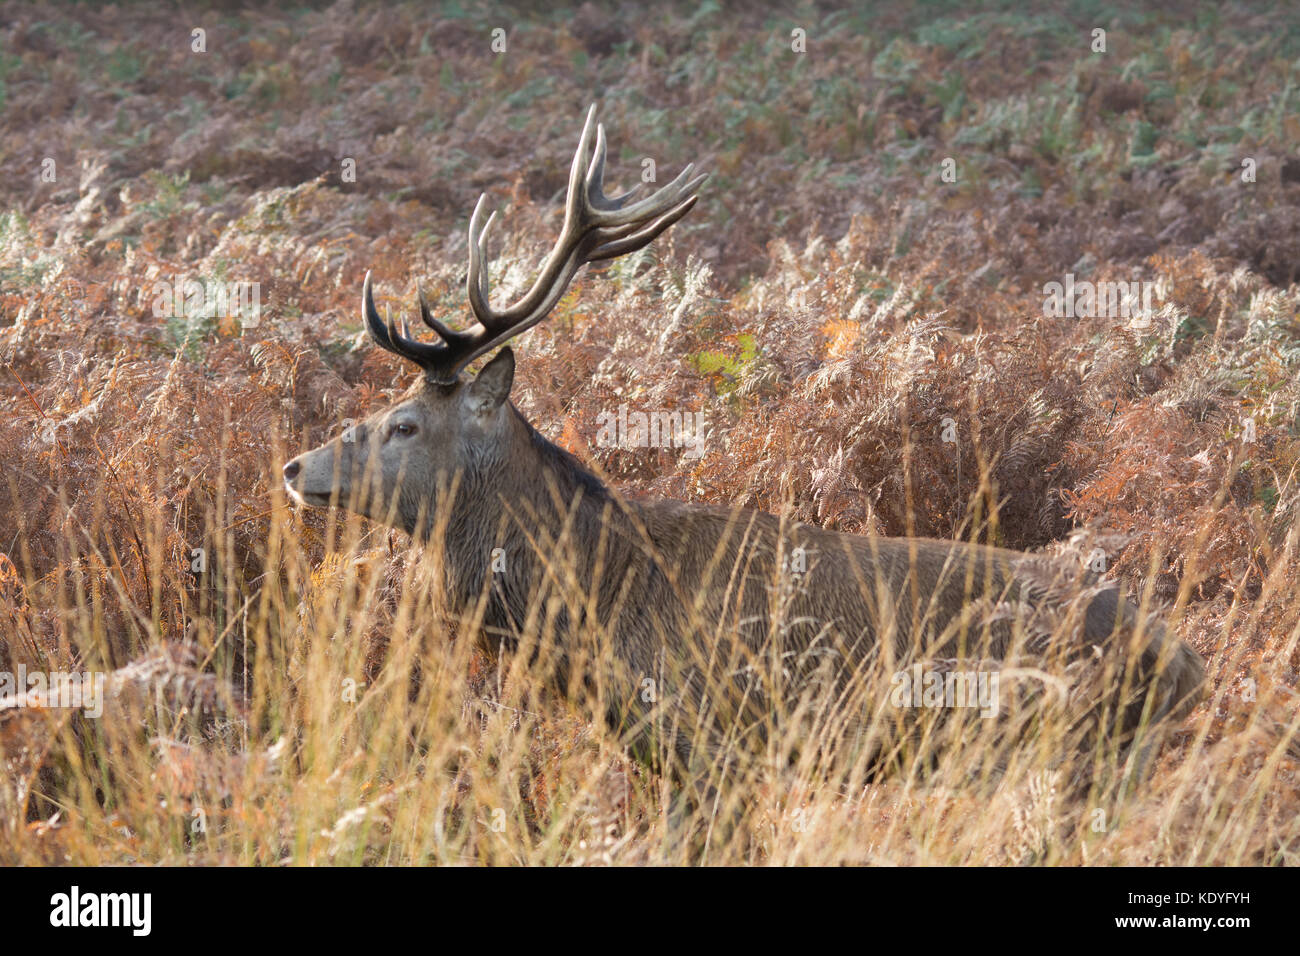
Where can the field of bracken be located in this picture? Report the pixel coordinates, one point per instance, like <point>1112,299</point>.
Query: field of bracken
<point>858,311</point>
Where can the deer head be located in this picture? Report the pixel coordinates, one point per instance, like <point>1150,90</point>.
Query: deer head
<point>447,432</point>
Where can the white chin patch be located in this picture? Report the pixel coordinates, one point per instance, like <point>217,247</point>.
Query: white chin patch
<point>307,497</point>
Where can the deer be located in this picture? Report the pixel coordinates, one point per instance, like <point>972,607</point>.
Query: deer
<point>703,635</point>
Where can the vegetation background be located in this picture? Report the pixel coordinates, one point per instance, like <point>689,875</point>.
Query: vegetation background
<point>285,690</point>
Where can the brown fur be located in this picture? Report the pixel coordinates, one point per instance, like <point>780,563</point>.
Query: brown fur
<point>740,621</point>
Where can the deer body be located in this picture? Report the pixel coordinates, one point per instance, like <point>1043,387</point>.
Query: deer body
<point>697,630</point>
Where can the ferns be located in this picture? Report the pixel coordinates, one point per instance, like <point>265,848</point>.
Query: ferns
<point>867,351</point>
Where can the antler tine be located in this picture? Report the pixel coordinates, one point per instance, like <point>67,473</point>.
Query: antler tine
<point>591,220</point>
<point>385,335</point>
<point>445,332</point>
<point>605,211</point>
<point>595,227</point>
<point>426,315</point>
<point>642,237</point>
<point>657,203</point>
<point>596,197</point>
<point>476,278</point>
<point>374,324</point>
<point>580,173</point>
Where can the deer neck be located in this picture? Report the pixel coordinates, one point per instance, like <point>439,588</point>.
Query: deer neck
<point>538,507</point>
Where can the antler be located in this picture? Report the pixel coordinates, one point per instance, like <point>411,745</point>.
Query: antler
<point>595,227</point>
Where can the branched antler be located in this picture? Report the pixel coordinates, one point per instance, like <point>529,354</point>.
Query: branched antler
<point>596,227</point>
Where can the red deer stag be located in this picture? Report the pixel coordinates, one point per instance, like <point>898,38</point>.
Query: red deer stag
<point>706,636</point>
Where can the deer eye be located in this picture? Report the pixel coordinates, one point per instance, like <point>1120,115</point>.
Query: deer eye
<point>404,429</point>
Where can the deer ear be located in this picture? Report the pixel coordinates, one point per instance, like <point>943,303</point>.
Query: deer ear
<point>491,387</point>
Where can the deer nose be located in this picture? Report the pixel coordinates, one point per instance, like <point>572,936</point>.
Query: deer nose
<point>291,470</point>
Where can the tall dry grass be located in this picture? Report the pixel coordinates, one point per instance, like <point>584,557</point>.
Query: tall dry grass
<point>304,696</point>
<point>301,695</point>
